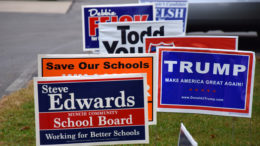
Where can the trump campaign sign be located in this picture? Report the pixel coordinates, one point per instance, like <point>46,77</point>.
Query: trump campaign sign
<point>214,42</point>
<point>94,14</point>
<point>91,110</point>
<point>128,37</point>
<point>170,10</point>
<point>218,82</point>
<point>52,65</point>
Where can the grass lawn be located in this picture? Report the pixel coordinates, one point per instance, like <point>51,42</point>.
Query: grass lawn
<point>17,123</point>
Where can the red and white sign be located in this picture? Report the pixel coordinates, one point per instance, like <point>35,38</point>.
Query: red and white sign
<point>214,42</point>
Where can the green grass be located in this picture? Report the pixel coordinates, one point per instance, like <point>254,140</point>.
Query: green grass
<point>17,123</point>
<point>17,118</point>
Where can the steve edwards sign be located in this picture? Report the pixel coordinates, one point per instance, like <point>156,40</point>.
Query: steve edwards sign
<point>170,10</point>
<point>128,37</point>
<point>96,110</point>
<point>214,42</point>
<point>94,14</point>
<point>84,65</point>
<point>215,82</point>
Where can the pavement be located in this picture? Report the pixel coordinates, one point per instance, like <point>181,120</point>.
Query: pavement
<point>58,7</point>
<point>24,35</point>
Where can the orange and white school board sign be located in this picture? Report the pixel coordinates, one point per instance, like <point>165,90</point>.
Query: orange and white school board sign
<point>51,65</point>
<point>213,42</point>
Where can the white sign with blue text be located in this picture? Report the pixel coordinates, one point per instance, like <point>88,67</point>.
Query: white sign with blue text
<point>218,82</point>
<point>170,10</point>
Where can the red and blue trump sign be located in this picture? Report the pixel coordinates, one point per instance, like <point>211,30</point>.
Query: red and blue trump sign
<point>96,110</point>
<point>92,15</point>
<point>218,82</point>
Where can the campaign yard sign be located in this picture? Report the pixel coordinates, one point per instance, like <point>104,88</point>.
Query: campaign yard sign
<point>214,42</point>
<point>128,37</point>
<point>93,110</point>
<point>51,65</point>
<point>94,14</point>
<point>218,82</point>
<point>170,10</point>
<point>185,138</point>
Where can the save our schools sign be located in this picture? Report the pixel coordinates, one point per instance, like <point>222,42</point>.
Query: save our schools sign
<point>94,14</point>
<point>51,65</point>
<point>128,37</point>
<point>218,82</point>
<point>93,110</point>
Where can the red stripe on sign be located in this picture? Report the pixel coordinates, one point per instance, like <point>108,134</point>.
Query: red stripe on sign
<point>159,77</point>
<point>91,119</point>
<point>203,108</point>
<point>249,79</point>
<point>89,80</point>
<point>205,51</point>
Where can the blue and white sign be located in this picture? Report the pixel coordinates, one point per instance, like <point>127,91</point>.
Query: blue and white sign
<point>170,10</point>
<point>215,82</point>
<point>91,110</point>
<point>94,14</point>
